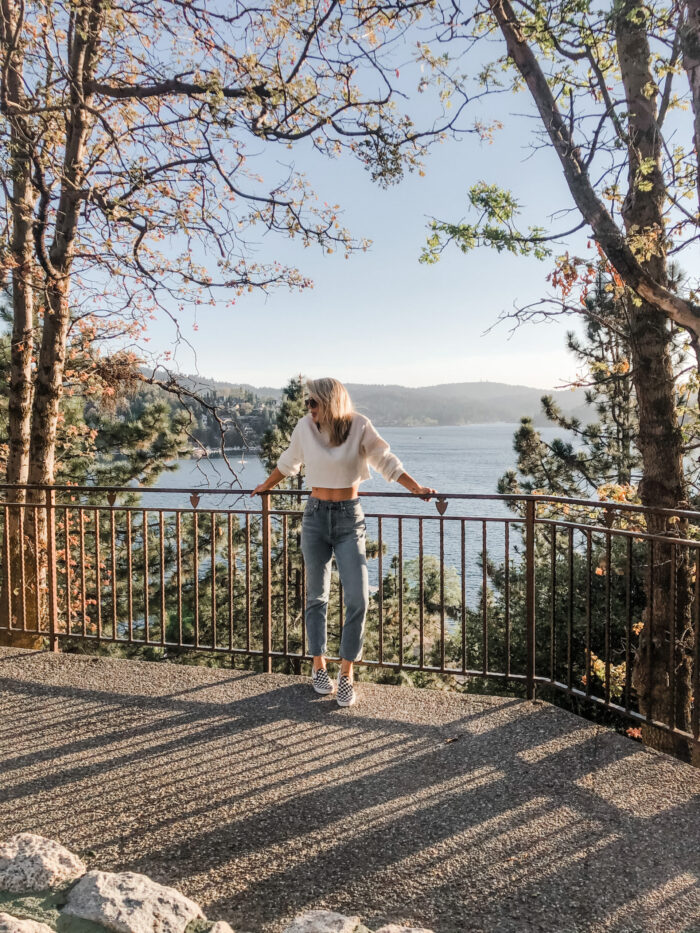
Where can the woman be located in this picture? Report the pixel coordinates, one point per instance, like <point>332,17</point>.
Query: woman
<point>336,444</point>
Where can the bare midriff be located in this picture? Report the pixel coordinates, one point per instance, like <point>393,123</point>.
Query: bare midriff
<point>335,495</point>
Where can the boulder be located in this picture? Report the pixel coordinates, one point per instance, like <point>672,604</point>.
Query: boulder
<point>10,924</point>
<point>325,921</point>
<point>397,928</point>
<point>130,903</point>
<point>221,927</point>
<point>32,863</point>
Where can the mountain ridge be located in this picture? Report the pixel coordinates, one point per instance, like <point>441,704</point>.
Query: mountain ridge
<point>451,403</point>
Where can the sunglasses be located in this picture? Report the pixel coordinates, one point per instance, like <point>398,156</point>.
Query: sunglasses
<point>310,403</point>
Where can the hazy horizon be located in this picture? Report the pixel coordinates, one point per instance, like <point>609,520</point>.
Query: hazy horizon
<point>385,385</point>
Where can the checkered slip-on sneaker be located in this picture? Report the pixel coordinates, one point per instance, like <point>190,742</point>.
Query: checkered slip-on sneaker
<point>346,695</point>
<point>321,682</point>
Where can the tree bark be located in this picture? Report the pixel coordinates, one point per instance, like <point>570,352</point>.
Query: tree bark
<point>662,667</point>
<point>662,671</point>
<point>23,200</point>
<point>50,373</point>
<point>22,340</point>
<point>19,590</point>
<point>690,46</point>
<point>52,355</point>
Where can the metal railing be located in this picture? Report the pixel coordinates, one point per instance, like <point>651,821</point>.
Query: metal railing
<point>598,600</point>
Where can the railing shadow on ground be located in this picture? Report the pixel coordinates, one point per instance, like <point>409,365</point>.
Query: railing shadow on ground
<point>261,801</point>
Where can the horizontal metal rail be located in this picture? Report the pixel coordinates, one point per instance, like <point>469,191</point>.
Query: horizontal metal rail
<point>605,504</point>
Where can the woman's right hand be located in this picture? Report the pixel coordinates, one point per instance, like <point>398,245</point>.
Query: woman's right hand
<point>268,484</point>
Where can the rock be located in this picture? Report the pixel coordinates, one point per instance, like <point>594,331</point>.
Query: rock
<point>397,928</point>
<point>325,921</point>
<point>10,924</point>
<point>221,927</point>
<point>32,863</point>
<point>130,903</point>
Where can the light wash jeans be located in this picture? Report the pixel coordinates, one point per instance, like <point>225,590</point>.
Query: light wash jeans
<point>338,528</point>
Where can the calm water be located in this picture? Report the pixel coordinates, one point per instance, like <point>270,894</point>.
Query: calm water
<point>467,459</point>
<point>456,459</point>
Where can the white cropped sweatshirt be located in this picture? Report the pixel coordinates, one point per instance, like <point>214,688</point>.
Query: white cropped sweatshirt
<point>343,466</point>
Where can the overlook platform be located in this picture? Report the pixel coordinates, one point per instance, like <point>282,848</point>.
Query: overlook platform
<point>260,800</point>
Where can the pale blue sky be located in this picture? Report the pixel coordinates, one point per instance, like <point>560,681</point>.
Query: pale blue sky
<point>382,317</point>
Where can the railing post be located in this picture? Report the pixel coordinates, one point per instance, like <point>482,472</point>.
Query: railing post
<point>50,498</point>
<point>266,585</point>
<point>530,598</point>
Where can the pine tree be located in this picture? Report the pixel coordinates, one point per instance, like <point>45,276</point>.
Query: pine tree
<point>604,461</point>
<point>291,409</point>
<point>603,452</point>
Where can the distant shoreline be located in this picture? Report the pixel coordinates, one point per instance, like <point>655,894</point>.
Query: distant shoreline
<point>464,424</point>
<point>466,404</point>
<point>254,450</point>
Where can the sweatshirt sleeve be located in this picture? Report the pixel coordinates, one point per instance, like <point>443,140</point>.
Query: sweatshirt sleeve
<point>291,459</point>
<point>379,455</point>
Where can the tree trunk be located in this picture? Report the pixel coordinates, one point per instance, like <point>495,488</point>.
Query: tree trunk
<point>19,548</point>
<point>662,669</point>
<point>48,391</point>
<point>34,416</point>
<point>49,388</point>
<point>690,44</point>
<point>52,354</point>
<point>19,589</point>
<point>22,341</point>
<point>23,201</point>
<point>639,257</point>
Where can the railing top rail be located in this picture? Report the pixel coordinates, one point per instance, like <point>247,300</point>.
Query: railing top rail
<point>605,504</point>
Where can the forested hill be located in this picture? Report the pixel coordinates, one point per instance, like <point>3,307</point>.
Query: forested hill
<point>457,403</point>
<point>451,403</point>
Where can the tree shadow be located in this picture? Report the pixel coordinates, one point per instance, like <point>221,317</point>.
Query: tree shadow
<point>260,801</point>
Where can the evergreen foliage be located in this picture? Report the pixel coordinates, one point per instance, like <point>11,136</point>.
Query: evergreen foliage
<point>603,453</point>
<point>276,438</point>
<point>601,457</point>
<point>112,429</point>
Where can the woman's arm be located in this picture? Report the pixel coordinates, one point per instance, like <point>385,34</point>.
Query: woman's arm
<point>408,482</point>
<point>380,457</point>
<point>273,479</point>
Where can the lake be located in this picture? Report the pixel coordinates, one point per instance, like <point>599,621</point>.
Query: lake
<point>452,459</point>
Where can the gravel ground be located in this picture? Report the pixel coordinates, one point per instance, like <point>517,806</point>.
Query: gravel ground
<point>260,800</point>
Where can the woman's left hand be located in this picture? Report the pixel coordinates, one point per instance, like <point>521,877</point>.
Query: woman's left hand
<point>425,492</point>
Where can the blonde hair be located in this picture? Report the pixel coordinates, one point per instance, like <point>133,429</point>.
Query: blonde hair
<point>335,407</point>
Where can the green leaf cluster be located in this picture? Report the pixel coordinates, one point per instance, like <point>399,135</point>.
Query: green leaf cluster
<point>495,228</point>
